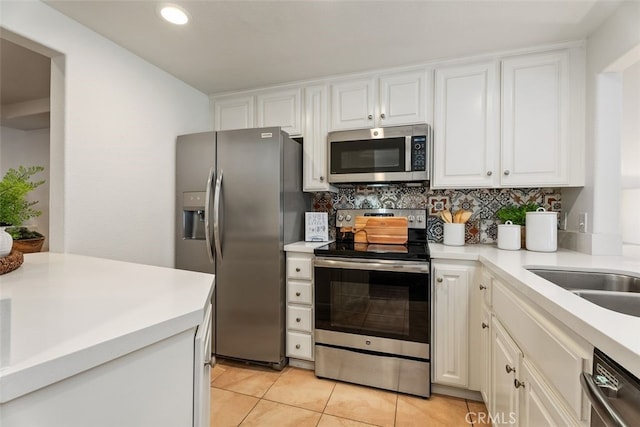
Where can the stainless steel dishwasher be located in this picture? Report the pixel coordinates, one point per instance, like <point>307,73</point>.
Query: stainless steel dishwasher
<point>614,393</point>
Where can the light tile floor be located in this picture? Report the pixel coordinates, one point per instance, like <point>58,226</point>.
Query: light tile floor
<point>245,395</point>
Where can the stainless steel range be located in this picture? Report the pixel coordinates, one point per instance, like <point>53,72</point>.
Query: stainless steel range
<point>372,302</point>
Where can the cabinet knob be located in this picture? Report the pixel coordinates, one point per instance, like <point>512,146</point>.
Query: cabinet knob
<point>517,383</point>
<point>509,369</point>
<point>382,116</point>
<point>367,342</point>
<point>489,173</point>
<point>482,287</point>
<point>297,294</point>
<point>507,172</point>
<point>322,179</point>
<point>370,117</point>
<point>298,319</point>
<point>297,346</point>
<point>484,325</point>
<point>439,280</point>
<point>297,269</point>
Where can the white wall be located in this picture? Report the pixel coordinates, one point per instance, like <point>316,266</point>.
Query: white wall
<point>600,198</point>
<point>116,143</point>
<point>29,148</point>
<point>630,161</point>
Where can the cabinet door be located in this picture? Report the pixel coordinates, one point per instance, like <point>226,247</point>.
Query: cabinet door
<point>539,406</point>
<point>466,123</point>
<point>505,369</point>
<point>233,113</point>
<point>485,355</point>
<point>281,108</point>
<point>535,107</point>
<point>353,104</point>
<point>451,328</point>
<point>403,98</point>
<point>314,162</point>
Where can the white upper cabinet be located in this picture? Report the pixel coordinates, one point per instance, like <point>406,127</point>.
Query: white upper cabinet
<point>535,114</point>
<point>466,126</point>
<point>281,108</point>
<point>278,107</point>
<point>234,112</point>
<point>315,163</point>
<point>385,100</point>
<point>521,128</point>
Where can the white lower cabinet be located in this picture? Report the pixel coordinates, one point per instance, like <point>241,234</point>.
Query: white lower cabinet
<point>454,315</point>
<point>300,308</point>
<point>505,367</point>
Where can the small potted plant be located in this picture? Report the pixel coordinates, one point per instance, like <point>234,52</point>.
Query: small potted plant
<point>517,214</point>
<point>15,208</point>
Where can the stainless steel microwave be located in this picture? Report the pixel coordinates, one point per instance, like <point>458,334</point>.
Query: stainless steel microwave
<point>391,154</point>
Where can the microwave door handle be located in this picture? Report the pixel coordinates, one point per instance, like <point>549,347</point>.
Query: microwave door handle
<point>207,202</point>
<point>407,153</point>
<point>607,413</point>
<point>216,215</point>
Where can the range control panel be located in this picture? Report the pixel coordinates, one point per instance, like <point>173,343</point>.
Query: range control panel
<point>416,218</point>
<point>419,153</point>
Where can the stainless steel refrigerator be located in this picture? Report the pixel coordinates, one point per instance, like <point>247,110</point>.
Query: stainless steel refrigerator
<point>239,200</point>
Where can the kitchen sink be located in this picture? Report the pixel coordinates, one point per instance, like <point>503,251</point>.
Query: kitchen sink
<point>613,291</point>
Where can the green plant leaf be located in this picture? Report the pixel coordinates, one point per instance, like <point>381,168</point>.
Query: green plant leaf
<point>15,185</point>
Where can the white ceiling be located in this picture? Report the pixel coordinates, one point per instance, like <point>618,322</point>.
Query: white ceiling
<point>232,45</point>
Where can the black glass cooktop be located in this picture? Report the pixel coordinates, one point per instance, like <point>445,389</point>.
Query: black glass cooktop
<point>406,252</point>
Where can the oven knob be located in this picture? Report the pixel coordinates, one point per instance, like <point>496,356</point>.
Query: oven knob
<point>348,218</point>
<point>411,218</point>
<point>420,219</point>
<point>340,217</point>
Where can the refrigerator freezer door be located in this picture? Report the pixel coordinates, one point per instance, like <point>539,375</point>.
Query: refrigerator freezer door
<point>250,275</point>
<point>195,157</point>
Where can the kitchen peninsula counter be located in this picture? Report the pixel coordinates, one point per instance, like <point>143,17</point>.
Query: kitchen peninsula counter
<point>614,333</point>
<point>64,314</point>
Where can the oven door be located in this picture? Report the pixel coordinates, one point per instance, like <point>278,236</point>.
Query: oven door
<point>385,299</point>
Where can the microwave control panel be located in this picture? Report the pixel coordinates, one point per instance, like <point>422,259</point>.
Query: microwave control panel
<point>418,153</point>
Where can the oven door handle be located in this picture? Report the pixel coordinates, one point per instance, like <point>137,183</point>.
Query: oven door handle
<point>606,412</point>
<point>379,265</point>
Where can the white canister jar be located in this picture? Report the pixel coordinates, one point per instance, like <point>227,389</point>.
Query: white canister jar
<point>453,234</point>
<point>542,231</point>
<point>509,236</point>
<point>6,242</point>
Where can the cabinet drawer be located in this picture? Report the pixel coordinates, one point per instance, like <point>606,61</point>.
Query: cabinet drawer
<point>299,292</point>
<point>299,345</point>
<point>555,352</point>
<point>299,267</point>
<point>299,318</point>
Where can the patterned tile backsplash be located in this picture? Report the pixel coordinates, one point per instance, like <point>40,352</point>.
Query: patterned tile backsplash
<point>482,227</point>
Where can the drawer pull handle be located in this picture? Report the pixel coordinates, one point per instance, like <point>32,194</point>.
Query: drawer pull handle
<point>298,319</point>
<point>297,346</point>
<point>297,269</point>
<point>482,287</point>
<point>517,383</point>
<point>297,294</point>
<point>484,325</point>
<point>509,369</point>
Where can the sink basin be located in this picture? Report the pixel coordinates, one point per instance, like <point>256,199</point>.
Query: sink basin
<point>596,281</point>
<point>627,303</point>
<point>613,291</point>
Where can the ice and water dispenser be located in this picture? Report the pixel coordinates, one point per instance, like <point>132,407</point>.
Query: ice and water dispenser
<point>193,215</point>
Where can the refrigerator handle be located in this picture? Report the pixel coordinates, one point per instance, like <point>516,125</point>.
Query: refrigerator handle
<point>207,202</point>
<point>216,215</point>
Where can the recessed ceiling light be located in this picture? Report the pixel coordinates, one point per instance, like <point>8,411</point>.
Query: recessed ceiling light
<point>174,14</point>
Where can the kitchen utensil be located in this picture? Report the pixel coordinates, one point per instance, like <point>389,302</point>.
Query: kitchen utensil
<point>464,216</point>
<point>446,216</point>
<point>383,230</point>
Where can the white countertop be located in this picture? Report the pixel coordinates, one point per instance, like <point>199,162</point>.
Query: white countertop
<point>616,334</point>
<point>61,314</point>
<point>307,247</point>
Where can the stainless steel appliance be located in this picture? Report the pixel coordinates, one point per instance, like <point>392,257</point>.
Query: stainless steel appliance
<point>399,153</point>
<point>613,391</point>
<point>372,307</point>
<point>239,201</point>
